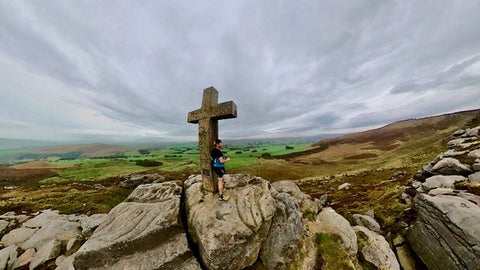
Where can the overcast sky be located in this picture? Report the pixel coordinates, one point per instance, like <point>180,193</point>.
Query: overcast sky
<point>120,70</point>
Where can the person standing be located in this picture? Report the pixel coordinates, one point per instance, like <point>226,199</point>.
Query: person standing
<point>219,167</point>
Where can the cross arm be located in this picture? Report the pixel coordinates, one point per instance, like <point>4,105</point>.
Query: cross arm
<point>223,110</point>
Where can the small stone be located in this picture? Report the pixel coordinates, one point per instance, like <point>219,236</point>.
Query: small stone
<point>366,221</point>
<point>398,240</point>
<point>323,199</point>
<point>98,186</point>
<point>344,186</point>
<point>370,213</point>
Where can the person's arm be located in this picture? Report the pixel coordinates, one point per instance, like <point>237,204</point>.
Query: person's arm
<point>223,159</point>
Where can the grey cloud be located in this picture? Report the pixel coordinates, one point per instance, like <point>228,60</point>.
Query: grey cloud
<point>291,68</point>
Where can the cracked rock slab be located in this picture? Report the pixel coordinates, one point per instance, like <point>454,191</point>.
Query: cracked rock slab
<point>143,232</point>
<point>446,234</point>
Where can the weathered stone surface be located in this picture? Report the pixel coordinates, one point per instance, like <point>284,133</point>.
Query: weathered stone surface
<point>458,133</point>
<point>451,166</point>
<point>451,153</point>
<point>470,197</point>
<point>330,222</point>
<point>375,249</point>
<point>52,230</point>
<point>446,234</point>
<point>90,223</point>
<point>42,219</point>
<point>64,263</point>
<point>74,244</point>
<point>472,132</point>
<point>441,191</point>
<point>474,154</point>
<point>476,167</point>
<point>281,246</point>
<point>25,258</point>
<point>134,180</point>
<point>46,253</point>
<point>474,178</point>
<point>457,143</point>
<point>304,201</point>
<point>8,256</point>
<point>442,181</point>
<point>17,236</point>
<point>366,221</point>
<point>3,226</point>
<point>144,232</point>
<point>230,233</point>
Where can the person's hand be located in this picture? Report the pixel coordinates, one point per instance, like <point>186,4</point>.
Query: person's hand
<point>227,159</point>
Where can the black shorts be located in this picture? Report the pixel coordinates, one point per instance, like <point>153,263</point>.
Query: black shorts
<point>220,171</point>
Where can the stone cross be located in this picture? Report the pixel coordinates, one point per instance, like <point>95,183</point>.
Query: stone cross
<point>207,117</point>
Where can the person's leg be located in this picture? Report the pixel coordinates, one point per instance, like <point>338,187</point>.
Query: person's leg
<point>220,186</point>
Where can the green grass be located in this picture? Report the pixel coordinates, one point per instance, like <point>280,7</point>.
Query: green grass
<point>333,254</point>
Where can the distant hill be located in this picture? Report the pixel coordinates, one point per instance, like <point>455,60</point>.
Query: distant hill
<point>391,135</point>
<point>17,143</point>
<point>86,150</point>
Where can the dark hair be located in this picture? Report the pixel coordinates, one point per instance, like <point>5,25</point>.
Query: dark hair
<point>217,141</point>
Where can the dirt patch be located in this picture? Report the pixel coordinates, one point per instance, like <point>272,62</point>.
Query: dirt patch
<point>362,156</point>
<point>41,165</point>
<point>24,177</point>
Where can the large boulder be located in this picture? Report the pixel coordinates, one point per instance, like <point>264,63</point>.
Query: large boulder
<point>281,246</point>
<point>442,181</point>
<point>304,201</point>
<point>230,233</point>
<point>17,236</point>
<point>143,232</point>
<point>474,178</point>
<point>451,166</point>
<point>375,249</point>
<point>330,222</point>
<point>446,234</point>
<point>8,257</point>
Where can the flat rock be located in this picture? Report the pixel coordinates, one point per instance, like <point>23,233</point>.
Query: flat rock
<point>446,234</point>
<point>451,153</point>
<point>441,191</point>
<point>230,233</point>
<point>17,236</point>
<point>442,181</point>
<point>47,252</point>
<point>143,232</point>
<point>456,143</point>
<point>472,132</point>
<point>42,219</point>
<point>56,228</point>
<point>330,222</point>
<point>366,221</point>
<point>474,178</point>
<point>65,263</point>
<point>375,249</point>
<point>451,166</point>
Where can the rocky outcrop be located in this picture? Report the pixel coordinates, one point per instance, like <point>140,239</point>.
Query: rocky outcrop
<point>446,232</point>
<point>230,233</point>
<point>134,180</point>
<point>144,232</point>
